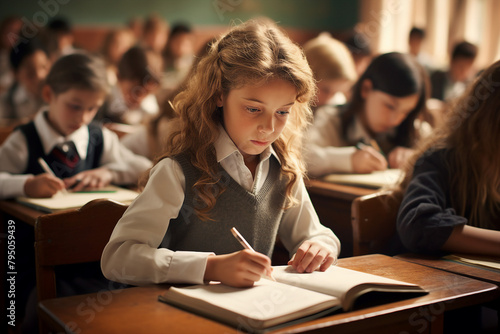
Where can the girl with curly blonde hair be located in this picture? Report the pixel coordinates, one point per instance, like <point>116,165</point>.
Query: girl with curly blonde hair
<point>233,160</point>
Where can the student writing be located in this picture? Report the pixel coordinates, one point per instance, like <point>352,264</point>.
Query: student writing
<point>386,102</point>
<point>452,188</point>
<point>74,148</point>
<point>233,160</point>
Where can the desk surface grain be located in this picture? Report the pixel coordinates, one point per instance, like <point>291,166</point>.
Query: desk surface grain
<point>136,309</point>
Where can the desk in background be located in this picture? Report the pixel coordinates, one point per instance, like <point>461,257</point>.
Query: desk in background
<point>473,271</point>
<point>137,309</point>
<point>333,204</point>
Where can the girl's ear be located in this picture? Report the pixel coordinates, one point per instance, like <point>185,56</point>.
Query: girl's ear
<point>366,87</point>
<point>47,93</point>
<point>219,101</point>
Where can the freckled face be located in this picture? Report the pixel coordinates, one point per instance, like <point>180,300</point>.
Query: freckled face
<point>255,116</point>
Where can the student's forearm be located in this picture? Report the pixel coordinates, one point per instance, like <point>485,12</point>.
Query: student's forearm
<point>473,240</point>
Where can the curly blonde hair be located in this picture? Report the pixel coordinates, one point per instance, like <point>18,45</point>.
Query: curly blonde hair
<point>250,53</point>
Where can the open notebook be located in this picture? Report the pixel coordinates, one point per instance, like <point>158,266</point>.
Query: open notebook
<point>374,180</point>
<point>475,260</point>
<point>71,200</point>
<point>292,297</point>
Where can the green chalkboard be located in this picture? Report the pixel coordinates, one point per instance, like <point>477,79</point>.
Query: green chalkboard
<point>300,14</point>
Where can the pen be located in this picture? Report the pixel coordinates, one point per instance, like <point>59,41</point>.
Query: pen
<point>47,169</point>
<point>374,144</point>
<point>245,244</point>
<point>361,145</point>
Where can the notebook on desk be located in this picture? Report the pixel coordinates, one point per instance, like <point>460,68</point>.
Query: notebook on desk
<point>71,200</point>
<point>373,180</point>
<point>293,297</point>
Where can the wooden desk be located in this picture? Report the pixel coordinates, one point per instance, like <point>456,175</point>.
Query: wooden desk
<point>17,210</point>
<point>476,272</point>
<point>137,310</point>
<point>21,214</point>
<point>333,204</point>
<point>483,274</point>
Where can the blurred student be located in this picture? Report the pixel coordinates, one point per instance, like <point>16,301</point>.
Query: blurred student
<point>58,38</point>
<point>150,139</point>
<point>30,65</point>
<point>360,47</point>
<point>449,84</point>
<point>136,25</point>
<point>234,160</point>
<point>416,40</point>
<point>80,153</point>
<point>117,42</point>
<point>178,55</point>
<point>451,190</point>
<point>132,99</point>
<point>155,34</point>
<point>333,69</point>
<point>10,28</point>
<point>383,108</point>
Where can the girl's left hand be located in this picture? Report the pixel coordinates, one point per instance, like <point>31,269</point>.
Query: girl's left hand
<point>399,156</point>
<point>93,178</point>
<point>312,255</point>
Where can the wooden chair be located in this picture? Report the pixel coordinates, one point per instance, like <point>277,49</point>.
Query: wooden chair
<point>374,222</point>
<point>70,237</point>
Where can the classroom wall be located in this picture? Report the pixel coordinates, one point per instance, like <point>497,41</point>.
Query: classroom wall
<point>92,19</point>
<point>315,15</point>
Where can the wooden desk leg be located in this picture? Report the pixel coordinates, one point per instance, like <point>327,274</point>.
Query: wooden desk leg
<point>437,325</point>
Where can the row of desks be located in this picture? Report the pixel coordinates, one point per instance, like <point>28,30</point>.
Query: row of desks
<point>451,286</point>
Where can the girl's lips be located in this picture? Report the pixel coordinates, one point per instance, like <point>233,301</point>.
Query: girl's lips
<point>260,143</point>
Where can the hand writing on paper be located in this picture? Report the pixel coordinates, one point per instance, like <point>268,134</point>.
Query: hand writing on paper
<point>311,256</point>
<point>239,269</point>
<point>368,160</point>
<point>93,178</point>
<point>42,185</point>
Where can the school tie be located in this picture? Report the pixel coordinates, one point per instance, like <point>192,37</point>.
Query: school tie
<point>66,153</point>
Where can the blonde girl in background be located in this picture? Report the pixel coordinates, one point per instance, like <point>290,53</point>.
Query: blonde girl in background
<point>333,69</point>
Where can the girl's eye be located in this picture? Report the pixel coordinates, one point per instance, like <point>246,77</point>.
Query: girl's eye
<point>283,112</point>
<point>390,106</point>
<point>75,107</point>
<point>252,110</point>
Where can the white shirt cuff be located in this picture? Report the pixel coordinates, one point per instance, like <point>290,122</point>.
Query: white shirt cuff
<point>13,185</point>
<point>188,267</point>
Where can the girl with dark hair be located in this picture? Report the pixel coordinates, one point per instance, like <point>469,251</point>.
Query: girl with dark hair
<point>386,102</point>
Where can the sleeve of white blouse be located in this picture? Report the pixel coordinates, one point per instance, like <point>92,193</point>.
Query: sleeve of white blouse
<point>132,255</point>
<point>125,166</point>
<point>300,223</point>
<point>324,152</point>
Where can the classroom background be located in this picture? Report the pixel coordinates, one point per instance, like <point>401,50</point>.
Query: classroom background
<point>386,23</point>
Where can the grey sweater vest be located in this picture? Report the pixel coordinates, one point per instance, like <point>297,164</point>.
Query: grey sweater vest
<point>257,217</point>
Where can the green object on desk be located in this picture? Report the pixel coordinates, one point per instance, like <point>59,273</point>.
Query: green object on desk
<point>94,191</point>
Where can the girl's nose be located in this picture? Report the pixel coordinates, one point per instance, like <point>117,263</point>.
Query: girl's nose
<point>267,125</point>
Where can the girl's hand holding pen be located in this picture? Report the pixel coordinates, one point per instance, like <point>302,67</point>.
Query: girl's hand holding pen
<point>366,159</point>
<point>239,269</point>
<point>311,256</point>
